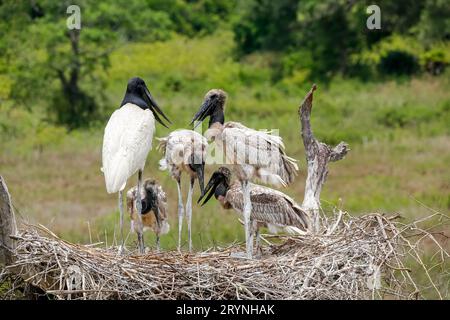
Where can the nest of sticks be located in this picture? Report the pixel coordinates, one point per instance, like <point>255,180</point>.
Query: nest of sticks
<point>367,257</point>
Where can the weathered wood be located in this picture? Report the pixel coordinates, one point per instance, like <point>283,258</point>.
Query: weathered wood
<point>8,225</point>
<point>318,155</point>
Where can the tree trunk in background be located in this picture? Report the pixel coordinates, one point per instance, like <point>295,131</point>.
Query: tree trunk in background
<point>7,225</point>
<point>72,88</point>
<point>77,107</point>
<point>318,155</point>
<point>70,84</point>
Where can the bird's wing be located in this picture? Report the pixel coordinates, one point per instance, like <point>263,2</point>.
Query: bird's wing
<point>164,226</point>
<point>162,203</point>
<point>180,144</point>
<point>269,206</point>
<point>126,143</point>
<point>130,200</point>
<point>162,146</point>
<point>258,148</point>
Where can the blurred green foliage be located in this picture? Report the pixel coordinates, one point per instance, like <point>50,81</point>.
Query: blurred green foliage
<point>62,75</point>
<point>44,63</point>
<point>327,37</point>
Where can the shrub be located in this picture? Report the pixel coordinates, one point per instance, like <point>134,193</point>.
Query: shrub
<point>399,117</point>
<point>397,62</point>
<point>394,55</point>
<point>435,60</point>
<point>47,135</point>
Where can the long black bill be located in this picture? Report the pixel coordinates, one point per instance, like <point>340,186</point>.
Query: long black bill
<point>200,170</point>
<point>210,188</point>
<point>155,108</point>
<point>205,110</point>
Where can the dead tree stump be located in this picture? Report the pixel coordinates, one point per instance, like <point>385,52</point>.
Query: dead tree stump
<point>7,225</point>
<point>318,155</point>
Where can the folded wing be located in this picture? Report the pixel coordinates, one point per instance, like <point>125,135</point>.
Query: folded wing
<point>269,206</point>
<point>258,148</point>
<point>126,143</point>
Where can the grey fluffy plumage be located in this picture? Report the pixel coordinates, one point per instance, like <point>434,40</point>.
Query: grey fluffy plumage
<point>269,206</point>
<point>153,194</point>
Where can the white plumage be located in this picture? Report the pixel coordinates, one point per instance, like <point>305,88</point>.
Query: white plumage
<point>257,154</point>
<point>126,144</point>
<point>184,151</point>
<point>178,147</point>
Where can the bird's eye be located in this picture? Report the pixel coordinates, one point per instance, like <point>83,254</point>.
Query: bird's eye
<point>214,96</point>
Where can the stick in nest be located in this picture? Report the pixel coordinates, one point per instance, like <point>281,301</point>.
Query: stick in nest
<point>367,257</point>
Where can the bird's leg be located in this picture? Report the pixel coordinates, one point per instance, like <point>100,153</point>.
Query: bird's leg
<point>189,212</point>
<point>247,212</point>
<point>141,242</point>
<point>251,234</point>
<point>258,249</point>
<point>157,242</point>
<point>157,228</point>
<point>180,213</point>
<point>121,247</point>
<point>140,228</point>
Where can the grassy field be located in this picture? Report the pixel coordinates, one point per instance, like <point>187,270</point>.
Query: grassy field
<point>398,131</point>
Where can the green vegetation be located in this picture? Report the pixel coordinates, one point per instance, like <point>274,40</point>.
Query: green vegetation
<point>385,92</point>
<point>326,38</point>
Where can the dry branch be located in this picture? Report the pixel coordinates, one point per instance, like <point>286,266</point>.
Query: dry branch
<point>318,155</point>
<point>7,225</point>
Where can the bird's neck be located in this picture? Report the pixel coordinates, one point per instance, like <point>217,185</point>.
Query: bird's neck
<point>134,99</point>
<point>221,190</point>
<point>146,206</point>
<point>224,203</point>
<point>217,117</point>
<point>149,202</point>
<point>213,131</point>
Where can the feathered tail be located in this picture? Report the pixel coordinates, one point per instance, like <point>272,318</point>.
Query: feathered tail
<point>274,229</point>
<point>289,168</point>
<point>162,144</point>
<point>162,147</point>
<point>295,231</point>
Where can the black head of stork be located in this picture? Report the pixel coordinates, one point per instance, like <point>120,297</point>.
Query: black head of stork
<point>213,106</point>
<point>137,93</point>
<point>218,185</point>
